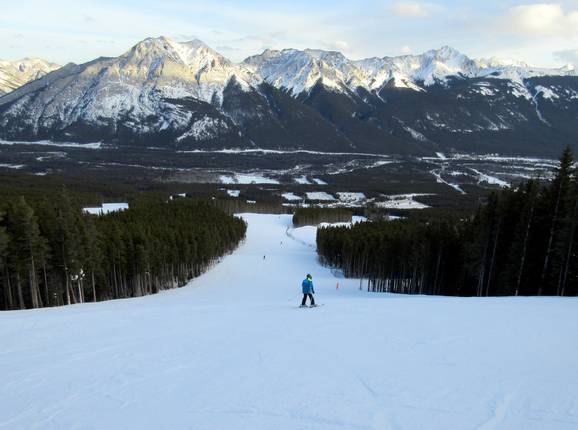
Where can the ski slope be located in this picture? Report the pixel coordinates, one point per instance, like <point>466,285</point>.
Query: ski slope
<point>232,351</point>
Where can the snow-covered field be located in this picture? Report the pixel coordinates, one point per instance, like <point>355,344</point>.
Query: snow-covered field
<point>349,197</point>
<point>302,180</point>
<point>291,197</point>
<point>107,208</point>
<point>233,351</point>
<point>402,201</point>
<point>241,178</point>
<point>11,166</point>
<point>95,145</point>
<point>320,195</point>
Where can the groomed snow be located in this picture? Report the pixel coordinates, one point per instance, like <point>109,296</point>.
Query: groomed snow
<point>233,351</point>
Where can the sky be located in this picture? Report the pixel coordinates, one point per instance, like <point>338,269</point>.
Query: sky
<point>62,31</point>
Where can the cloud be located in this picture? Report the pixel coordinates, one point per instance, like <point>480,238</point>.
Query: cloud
<point>569,56</point>
<point>414,9</point>
<point>406,50</point>
<point>226,48</point>
<point>341,45</point>
<point>541,20</point>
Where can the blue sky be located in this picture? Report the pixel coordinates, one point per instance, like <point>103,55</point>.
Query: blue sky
<point>542,33</point>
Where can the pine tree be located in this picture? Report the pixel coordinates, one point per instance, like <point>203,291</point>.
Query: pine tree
<point>530,190</point>
<point>27,249</point>
<point>559,193</point>
<point>7,293</point>
<point>93,253</point>
<point>67,249</point>
<point>3,243</point>
<point>569,249</point>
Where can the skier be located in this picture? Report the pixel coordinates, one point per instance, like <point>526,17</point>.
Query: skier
<point>308,291</point>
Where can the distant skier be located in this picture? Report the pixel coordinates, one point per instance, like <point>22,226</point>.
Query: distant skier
<point>308,291</point>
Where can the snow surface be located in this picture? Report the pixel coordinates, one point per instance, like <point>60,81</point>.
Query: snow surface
<point>302,180</point>
<point>12,166</point>
<point>234,193</point>
<point>278,151</point>
<point>320,195</point>
<point>402,201</point>
<point>14,74</point>
<point>291,197</point>
<point>492,180</point>
<point>139,87</point>
<point>106,208</point>
<point>96,145</point>
<point>245,179</point>
<point>438,175</point>
<point>232,351</point>
<point>351,197</point>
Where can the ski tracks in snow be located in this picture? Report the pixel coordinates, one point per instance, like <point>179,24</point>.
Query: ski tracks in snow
<point>229,352</point>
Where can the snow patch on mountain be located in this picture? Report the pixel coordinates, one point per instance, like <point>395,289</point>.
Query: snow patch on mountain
<point>204,129</point>
<point>546,93</point>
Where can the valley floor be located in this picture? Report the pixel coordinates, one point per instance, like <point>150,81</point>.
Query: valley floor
<point>232,350</point>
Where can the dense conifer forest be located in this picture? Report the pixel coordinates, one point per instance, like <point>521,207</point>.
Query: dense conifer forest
<point>521,241</point>
<point>52,254</point>
<point>314,216</point>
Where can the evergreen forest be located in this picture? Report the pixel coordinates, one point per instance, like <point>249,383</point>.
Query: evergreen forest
<point>51,253</point>
<point>521,241</point>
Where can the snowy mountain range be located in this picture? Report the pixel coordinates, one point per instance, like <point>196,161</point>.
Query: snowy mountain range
<point>188,96</point>
<point>14,74</point>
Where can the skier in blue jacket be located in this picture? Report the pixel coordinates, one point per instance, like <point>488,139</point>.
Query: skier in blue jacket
<point>308,291</point>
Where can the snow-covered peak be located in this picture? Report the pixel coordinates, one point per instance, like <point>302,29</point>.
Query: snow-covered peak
<point>179,69</point>
<point>500,62</point>
<point>193,69</point>
<point>194,56</point>
<point>14,74</point>
<point>298,71</point>
<point>517,71</point>
<point>428,68</point>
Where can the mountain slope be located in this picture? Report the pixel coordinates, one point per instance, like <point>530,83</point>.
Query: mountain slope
<point>232,350</point>
<point>187,96</point>
<point>14,74</point>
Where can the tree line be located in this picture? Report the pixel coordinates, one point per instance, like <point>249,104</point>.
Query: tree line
<point>521,241</point>
<point>316,215</point>
<point>51,253</point>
